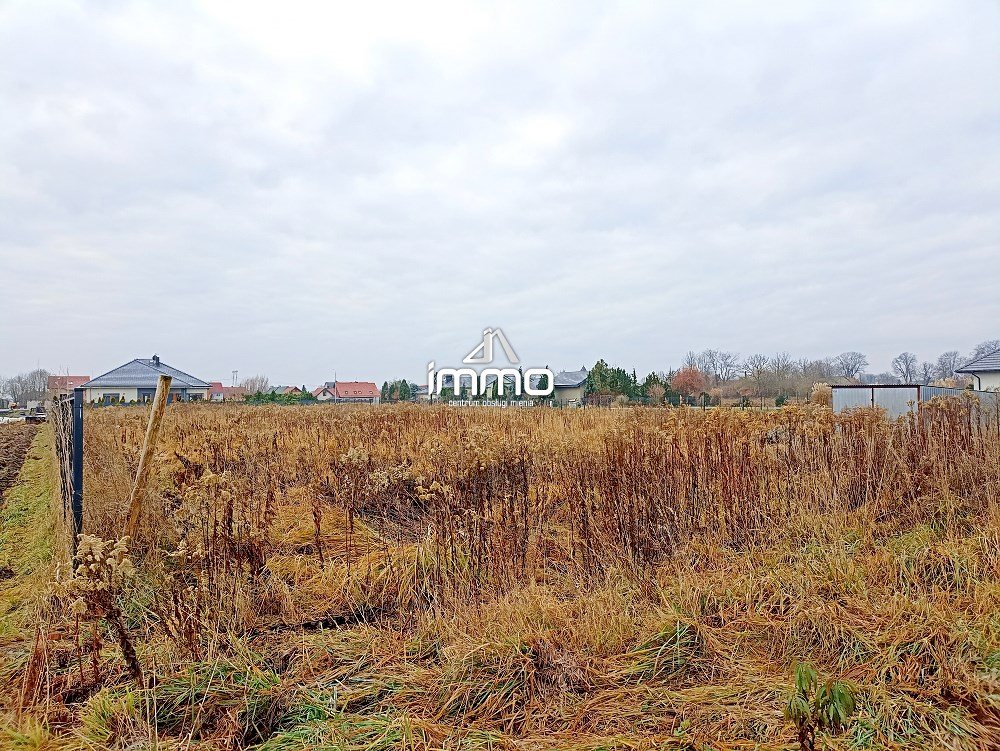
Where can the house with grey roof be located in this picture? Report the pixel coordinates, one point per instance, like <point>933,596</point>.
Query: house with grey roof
<point>135,382</point>
<point>284,390</point>
<point>985,371</point>
<point>570,386</point>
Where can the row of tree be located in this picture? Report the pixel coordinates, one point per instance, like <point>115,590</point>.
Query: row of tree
<point>715,373</point>
<point>399,391</point>
<point>718,374</point>
<point>25,387</point>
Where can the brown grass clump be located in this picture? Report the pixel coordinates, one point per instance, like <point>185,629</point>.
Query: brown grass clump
<point>821,394</point>
<point>437,578</point>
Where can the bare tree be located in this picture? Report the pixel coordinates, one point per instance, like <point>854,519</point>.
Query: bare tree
<point>817,370</point>
<point>851,364</point>
<point>708,363</point>
<point>28,386</point>
<point>255,384</point>
<point>927,371</point>
<point>984,348</point>
<point>947,363</point>
<point>904,365</point>
<point>729,366</point>
<point>782,368</point>
<point>655,392</point>
<point>756,370</point>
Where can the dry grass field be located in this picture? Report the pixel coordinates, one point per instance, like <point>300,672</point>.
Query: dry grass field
<point>439,578</point>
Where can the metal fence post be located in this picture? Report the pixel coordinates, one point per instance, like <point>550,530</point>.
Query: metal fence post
<point>77,464</point>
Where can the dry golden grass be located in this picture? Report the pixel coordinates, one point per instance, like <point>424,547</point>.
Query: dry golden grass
<point>430,578</point>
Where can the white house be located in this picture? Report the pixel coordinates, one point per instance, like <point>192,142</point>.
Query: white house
<point>136,381</point>
<point>570,386</point>
<point>985,372</point>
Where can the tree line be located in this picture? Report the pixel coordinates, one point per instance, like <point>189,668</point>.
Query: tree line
<point>711,375</point>
<point>719,374</point>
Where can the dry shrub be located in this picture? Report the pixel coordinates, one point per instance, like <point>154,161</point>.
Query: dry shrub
<point>821,394</point>
<point>561,578</point>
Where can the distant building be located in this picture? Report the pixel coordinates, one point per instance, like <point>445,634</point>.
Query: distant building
<point>363,392</point>
<point>281,390</point>
<point>136,381</point>
<point>570,386</point>
<point>234,393</point>
<point>61,385</point>
<point>985,371</point>
<point>327,392</point>
<point>219,393</point>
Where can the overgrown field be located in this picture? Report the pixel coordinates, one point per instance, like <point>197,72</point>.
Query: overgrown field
<point>431,578</point>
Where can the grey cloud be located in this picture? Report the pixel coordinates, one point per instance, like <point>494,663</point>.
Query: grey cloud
<point>628,182</point>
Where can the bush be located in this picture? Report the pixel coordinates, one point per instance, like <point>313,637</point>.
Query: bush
<point>822,394</point>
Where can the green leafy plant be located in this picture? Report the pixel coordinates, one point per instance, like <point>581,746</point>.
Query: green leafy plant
<point>815,705</point>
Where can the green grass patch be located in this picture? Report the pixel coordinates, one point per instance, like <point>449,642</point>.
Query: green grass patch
<point>27,535</point>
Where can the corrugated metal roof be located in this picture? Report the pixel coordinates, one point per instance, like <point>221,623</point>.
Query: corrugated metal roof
<point>571,378</point>
<point>143,373</point>
<point>985,364</point>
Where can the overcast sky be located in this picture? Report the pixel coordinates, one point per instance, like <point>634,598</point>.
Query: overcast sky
<point>301,189</point>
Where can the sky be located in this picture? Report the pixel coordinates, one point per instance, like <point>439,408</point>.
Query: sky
<point>307,190</point>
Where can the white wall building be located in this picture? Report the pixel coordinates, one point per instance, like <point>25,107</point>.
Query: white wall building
<point>985,372</point>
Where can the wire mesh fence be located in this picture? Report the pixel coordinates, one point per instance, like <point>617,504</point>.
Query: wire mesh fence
<point>67,427</point>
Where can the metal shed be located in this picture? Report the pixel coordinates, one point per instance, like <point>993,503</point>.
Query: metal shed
<point>902,399</point>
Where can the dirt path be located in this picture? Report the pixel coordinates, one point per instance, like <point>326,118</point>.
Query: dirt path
<point>14,441</point>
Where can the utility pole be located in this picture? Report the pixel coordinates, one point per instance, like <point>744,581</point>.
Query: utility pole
<point>235,375</point>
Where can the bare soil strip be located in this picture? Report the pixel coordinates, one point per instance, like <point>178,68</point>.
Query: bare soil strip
<point>14,441</point>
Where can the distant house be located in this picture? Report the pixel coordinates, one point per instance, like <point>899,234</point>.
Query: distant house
<point>422,394</point>
<point>361,392</point>
<point>327,392</point>
<point>985,371</point>
<point>280,390</point>
<point>234,393</point>
<point>216,392</point>
<point>570,386</point>
<point>136,381</point>
<point>61,385</point>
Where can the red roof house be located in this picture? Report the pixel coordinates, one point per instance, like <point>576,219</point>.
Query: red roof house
<point>234,393</point>
<point>63,384</point>
<point>325,393</point>
<point>357,391</point>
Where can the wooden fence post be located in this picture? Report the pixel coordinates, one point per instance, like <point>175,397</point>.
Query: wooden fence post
<point>145,459</point>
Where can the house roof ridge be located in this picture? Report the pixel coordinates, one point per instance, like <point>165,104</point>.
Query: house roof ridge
<point>990,359</point>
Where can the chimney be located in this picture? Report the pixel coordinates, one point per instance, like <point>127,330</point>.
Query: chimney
<point>156,361</point>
